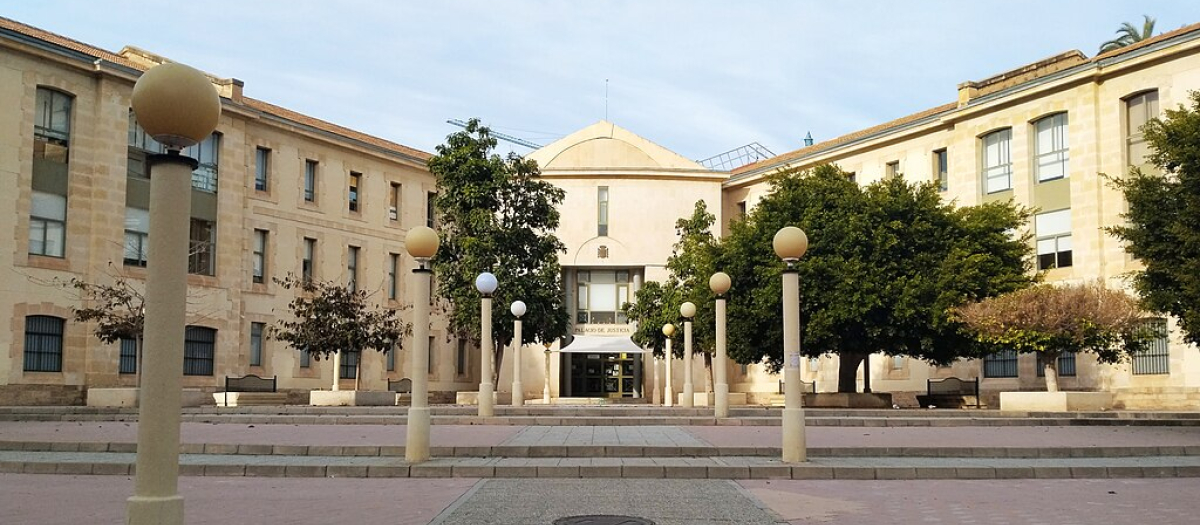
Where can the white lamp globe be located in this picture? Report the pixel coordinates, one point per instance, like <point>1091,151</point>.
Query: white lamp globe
<point>486,283</point>
<point>687,310</point>
<point>518,308</point>
<point>790,243</point>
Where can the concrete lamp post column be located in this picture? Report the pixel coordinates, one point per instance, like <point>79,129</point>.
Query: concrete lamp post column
<point>486,284</point>
<point>688,310</point>
<point>790,243</point>
<point>518,391</point>
<point>421,243</point>
<point>720,283</point>
<point>546,382</point>
<point>668,390</point>
<point>179,107</point>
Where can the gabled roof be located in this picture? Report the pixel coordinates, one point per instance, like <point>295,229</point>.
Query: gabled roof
<point>257,105</point>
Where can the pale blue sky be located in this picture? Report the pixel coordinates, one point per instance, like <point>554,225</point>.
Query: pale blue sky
<point>698,77</point>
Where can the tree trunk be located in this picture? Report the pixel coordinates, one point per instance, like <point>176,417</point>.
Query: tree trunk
<point>337,370</point>
<point>1051,362</point>
<point>497,360</point>
<point>848,371</point>
<point>708,367</point>
<point>866,374</point>
<point>357,372</point>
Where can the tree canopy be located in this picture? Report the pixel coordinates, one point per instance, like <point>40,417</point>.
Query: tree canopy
<point>884,266</point>
<point>328,317</point>
<point>496,215</point>
<point>1129,34</point>
<point>1163,221</point>
<point>1052,320</point>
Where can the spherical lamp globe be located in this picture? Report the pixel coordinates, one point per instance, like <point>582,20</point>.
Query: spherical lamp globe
<point>176,104</point>
<point>790,243</point>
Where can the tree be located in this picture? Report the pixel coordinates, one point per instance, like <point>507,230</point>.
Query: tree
<point>1129,35</point>
<point>118,309</point>
<point>1163,222</point>
<point>692,262</point>
<point>331,318</point>
<point>885,264</point>
<point>1052,320</point>
<point>497,215</point>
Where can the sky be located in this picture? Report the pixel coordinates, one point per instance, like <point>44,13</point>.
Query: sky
<point>698,77</point>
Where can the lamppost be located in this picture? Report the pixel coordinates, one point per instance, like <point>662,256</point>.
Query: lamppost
<point>720,283</point>
<point>486,284</point>
<point>421,243</point>
<point>668,330</point>
<point>179,107</point>
<point>546,383</point>
<point>790,244</point>
<point>518,391</point>
<point>689,390</point>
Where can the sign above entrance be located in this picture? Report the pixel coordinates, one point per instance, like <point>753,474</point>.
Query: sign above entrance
<point>625,330</point>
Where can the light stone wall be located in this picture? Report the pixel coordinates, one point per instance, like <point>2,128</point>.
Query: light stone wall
<point>1093,99</point>
<point>227,301</point>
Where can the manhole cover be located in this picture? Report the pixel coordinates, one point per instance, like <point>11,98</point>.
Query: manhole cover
<point>602,519</point>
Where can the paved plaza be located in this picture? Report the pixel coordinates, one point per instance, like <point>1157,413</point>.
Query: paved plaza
<point>667,466</point>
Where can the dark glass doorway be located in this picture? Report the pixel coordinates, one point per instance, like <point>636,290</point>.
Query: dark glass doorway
<point>605,375</point>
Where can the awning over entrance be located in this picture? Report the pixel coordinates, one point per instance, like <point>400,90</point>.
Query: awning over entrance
<point>602,345</point>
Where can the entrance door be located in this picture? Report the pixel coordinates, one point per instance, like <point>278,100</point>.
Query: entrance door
<point>604,375</point>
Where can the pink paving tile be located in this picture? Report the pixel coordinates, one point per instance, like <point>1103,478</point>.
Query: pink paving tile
<point>955,436</point>
<point>339,435</point>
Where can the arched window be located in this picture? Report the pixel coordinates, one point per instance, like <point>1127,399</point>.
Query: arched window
<point>997,161</point>
<point>1139,109</point>
<point>43,343</point>
<point>1050,148</point>
<point>51,150</point>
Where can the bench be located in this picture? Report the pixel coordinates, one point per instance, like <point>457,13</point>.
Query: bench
<point>403,389</point>
<point>951,392</point>
<point>261,390</point>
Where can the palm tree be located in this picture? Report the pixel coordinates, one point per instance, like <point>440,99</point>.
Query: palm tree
<point>1130,35</point>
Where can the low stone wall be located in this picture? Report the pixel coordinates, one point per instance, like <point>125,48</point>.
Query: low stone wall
<point>40,395</point>
<point>1157,398</point>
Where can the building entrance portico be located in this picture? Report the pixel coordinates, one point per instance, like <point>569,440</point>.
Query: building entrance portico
<point>606,375</point>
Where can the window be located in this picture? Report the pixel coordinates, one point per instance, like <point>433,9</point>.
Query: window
<point>47,224</point>
<point>601,295</point>
<point>140,145</point>
<point>460,364</point>
<point>260,256</point>
<point>352,268</point>
<point>305,359</point>
<point>602,211</point>
<point>1066,365</point>
<point>1053,231</point>
<point>853,177</point>
<point>256,343</point>
<point>352,198</point>
<point>1050,148</point>
<point>308,264</point>
<point>43,343</point>
<point>137,236</point>
<point>997,161</point>
<point>207,154</point>
<point>349,368</point>
<point>310,180</point>
<point>941,169</point>
<point>393,268</point>
<point>429,209</point>
<point>1156,358</point>
<point>892,169</point>
<point>198,351</point>
<point>741,207</point>
<point>897,362</point>
<point>1000,364</point>
<point>128,362</point>
<point>202,252</point>
<point>1139,109</point>
<point>262,168</point>
<point>51,150</point>
<point>391,358</point>
<point>394,202</point>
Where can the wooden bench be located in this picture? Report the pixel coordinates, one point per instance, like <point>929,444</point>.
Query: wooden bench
<point>250,390</point>
<point>951,392</point>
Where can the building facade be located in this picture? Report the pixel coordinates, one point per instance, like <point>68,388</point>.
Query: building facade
<point>278,192</point>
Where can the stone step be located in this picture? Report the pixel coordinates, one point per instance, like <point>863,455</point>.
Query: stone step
<point>612,451</point>
<point>728,467</point>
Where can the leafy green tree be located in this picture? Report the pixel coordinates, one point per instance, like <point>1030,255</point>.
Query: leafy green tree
<point>885,264</point>
<point>1053,320</point>
<point>1163,222</point>
<point>692,262</point>
<point>496,215</point>
<point>1128,35</point>
<point>328,318</point>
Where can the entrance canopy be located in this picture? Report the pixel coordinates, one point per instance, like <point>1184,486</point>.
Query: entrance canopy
<point>602,345</point>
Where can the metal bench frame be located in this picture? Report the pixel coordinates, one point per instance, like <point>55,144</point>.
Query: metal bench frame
<point>249,383</point>
<point>400,386</point>
<point>953,386</point>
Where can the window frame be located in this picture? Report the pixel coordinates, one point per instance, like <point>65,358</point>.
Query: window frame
<point>257,330</point>
<point>941,169</point>
<point>258,263</point>
<point>199,350</point>
<point>1061,142</point>
<point>42,223</point>
<point>308,259</point>
<point>309,188</point>
<point>394,200</point>
<point>202,253</point>
<point>1149,99</point>
<point>602,210</point>
<point>1156,358</point>
<point>393,276</point>
<point>352,253</point>
<point>1003,168</point>
<point>142,238</point>
<point>262,169</point>
<point>354,192</point>
<point>1062,258</point>
<point>43,340</point>
<point>127,360</point>
<point>1001,364</point>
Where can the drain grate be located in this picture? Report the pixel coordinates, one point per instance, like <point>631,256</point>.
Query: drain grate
<point>602,519</point>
